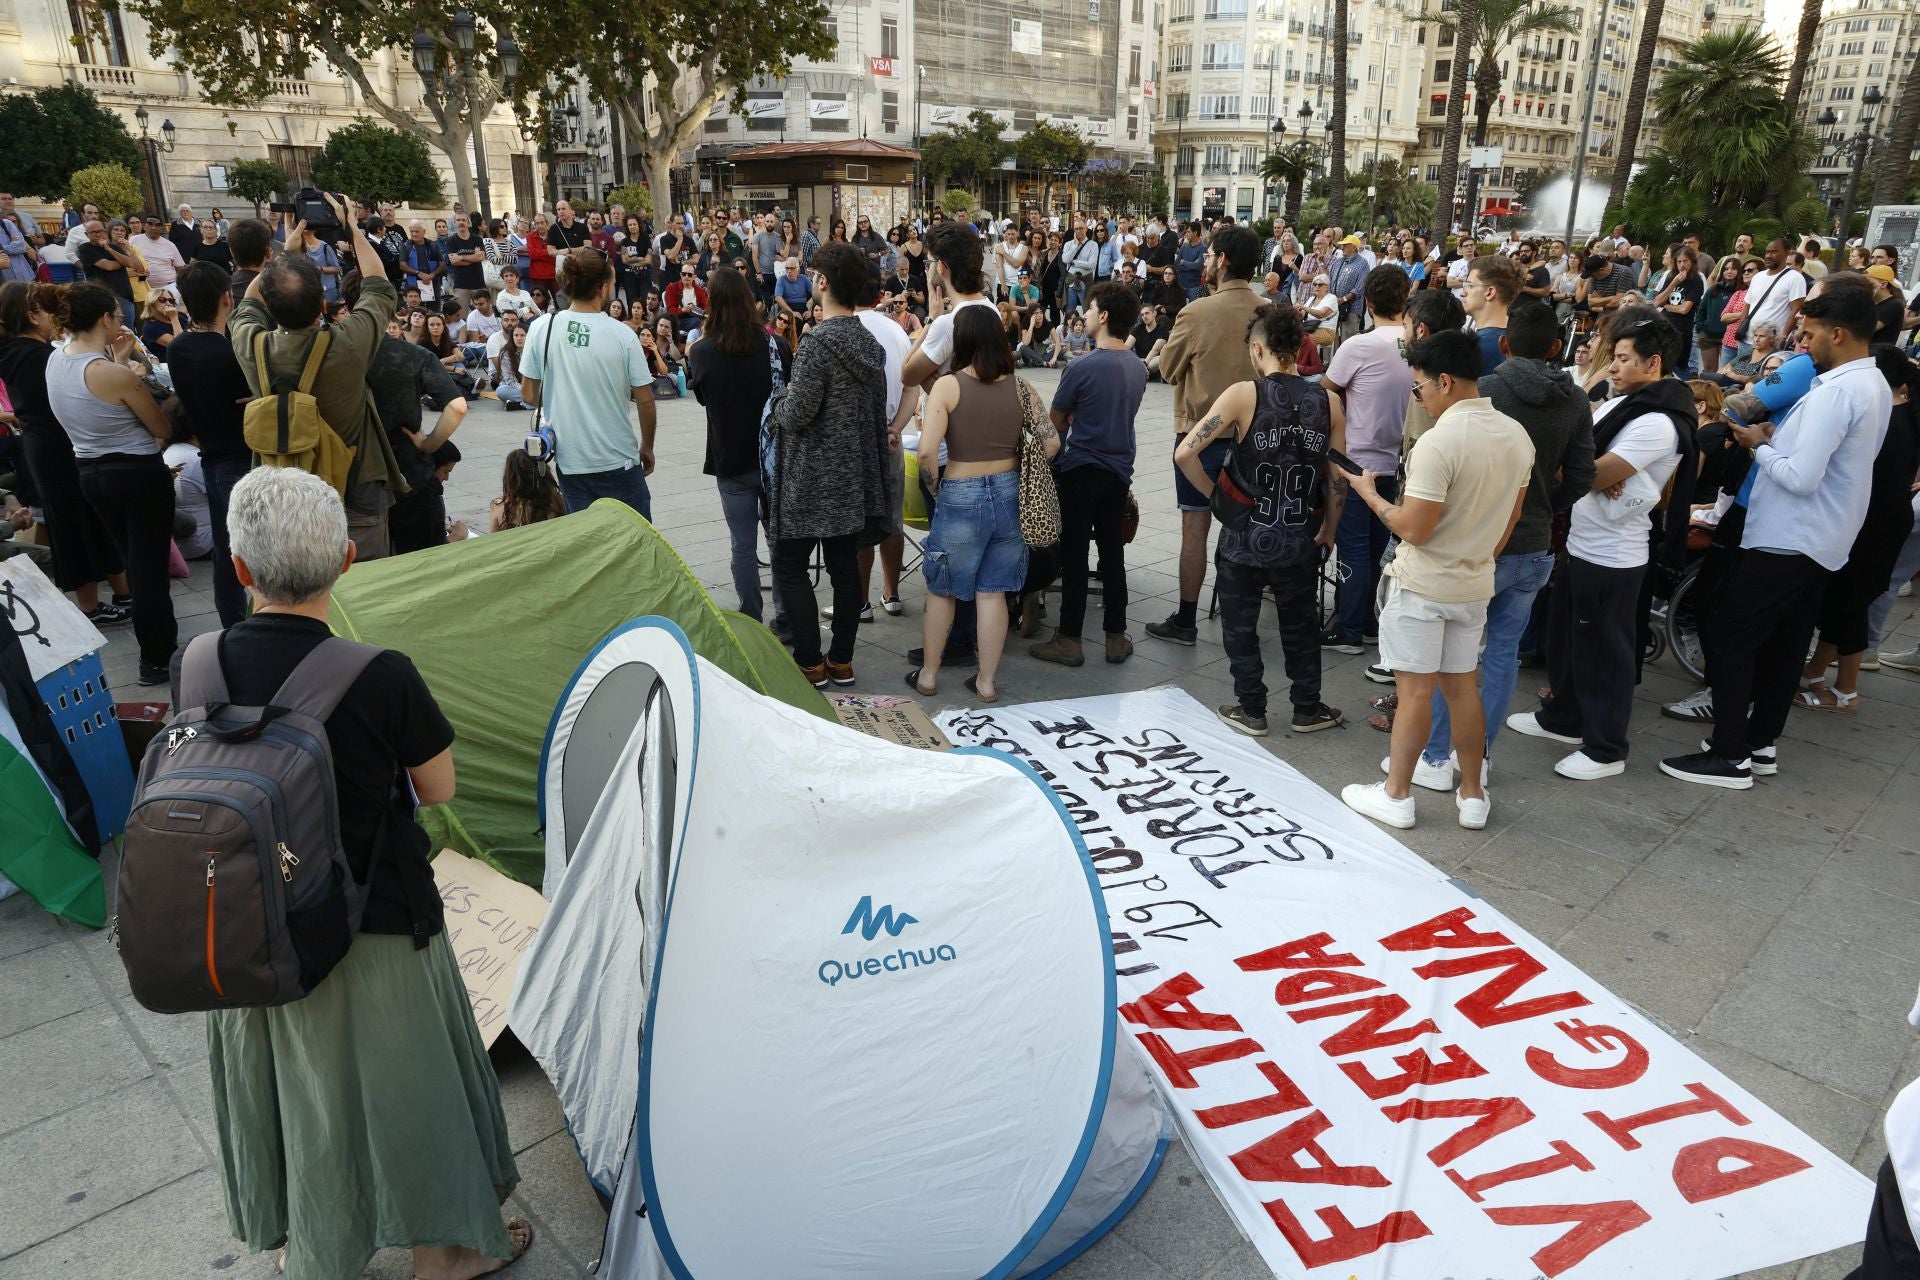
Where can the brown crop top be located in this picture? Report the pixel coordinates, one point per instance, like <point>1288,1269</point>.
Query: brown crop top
<point>985,425</point>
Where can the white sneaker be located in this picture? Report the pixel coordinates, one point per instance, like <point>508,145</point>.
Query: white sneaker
<point>1906,589</point>
<point>1373,801</point>
<point>1379,674</point>
<point>1434,777</point>
<point>1870,660</point>
<point>1486,767</point>
<point>1473,812</point>
<point>1902,659</point>
<point>1582,767</point>
<point>1528,722</point>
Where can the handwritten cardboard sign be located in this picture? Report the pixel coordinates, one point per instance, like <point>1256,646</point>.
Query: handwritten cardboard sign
<point>894,718</point>
<point>490,922</point>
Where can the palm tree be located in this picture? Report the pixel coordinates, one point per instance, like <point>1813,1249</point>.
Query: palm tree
<point>1891,174</point>
<point>1502,23</point>
<point>1637,100</point>
<point>1464,26</point>
<point>1293,165</point>
<point>1337,125</point>
<point>1725,124</point>
<point>1802,52</point>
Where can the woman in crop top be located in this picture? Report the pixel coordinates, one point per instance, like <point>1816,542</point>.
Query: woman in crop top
<point>117,432</point>
<point>974,550</point>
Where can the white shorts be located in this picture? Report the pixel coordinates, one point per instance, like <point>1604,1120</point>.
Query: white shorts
<point>1423,637</point>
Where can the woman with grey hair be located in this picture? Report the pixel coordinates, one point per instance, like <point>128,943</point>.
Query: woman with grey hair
<point>366,1115</point>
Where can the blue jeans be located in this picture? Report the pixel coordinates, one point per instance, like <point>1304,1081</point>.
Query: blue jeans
<point>1361,540</point>
<point>1076,293</point>
<point>628,485</point>
<point>740,503</point>
<point>1516,581</point>
<point>229,597</point>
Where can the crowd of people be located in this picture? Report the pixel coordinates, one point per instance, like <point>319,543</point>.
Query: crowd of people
<point>1496,452</point>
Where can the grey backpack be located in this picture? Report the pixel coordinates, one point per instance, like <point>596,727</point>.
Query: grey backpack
<point>234,888</point>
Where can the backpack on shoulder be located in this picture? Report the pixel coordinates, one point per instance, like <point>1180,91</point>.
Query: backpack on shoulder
<point>234,890</point>
<point>283,425</point>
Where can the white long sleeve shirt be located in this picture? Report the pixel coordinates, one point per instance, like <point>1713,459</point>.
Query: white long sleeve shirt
<point>1814,479</point>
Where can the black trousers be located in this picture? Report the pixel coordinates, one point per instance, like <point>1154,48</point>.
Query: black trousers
<point>1889,1252</point>
<point>229,597</point>
<point>133,495</point>
<point>1093,507</point>
<point>1294,590</point>
<point>1761,632</point>
<point>1593,638</point>
<point>417,521</point>
<point>790,559</point>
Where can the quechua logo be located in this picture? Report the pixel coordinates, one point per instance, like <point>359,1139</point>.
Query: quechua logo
<point>870,923</point>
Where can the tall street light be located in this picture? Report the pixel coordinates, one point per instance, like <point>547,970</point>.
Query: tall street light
<point>451,86</point>
<point>151,148</point>
<point>1869,107</point>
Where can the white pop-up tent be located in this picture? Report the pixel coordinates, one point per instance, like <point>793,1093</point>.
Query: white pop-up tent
<point>816,1005</point>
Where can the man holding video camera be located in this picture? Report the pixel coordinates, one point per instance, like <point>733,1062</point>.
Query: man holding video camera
<point>287,302</point>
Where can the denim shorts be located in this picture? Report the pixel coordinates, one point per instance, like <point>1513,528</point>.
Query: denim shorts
<point>1212,458</point>
<point>975,542</point>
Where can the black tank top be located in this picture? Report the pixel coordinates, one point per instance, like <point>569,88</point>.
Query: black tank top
<point>1280,462</point>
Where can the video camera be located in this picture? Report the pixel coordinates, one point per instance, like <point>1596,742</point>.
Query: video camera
<point>313,208</point>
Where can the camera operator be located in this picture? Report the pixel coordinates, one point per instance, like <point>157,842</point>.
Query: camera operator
<point>288,293</point>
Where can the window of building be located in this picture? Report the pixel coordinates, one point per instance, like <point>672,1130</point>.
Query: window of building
<point>296,161</point>
<point>1433,173</point>
<point>844,124</point>
<point>1219,156</point>
<point>1228,56</point>
<point>1180,58</point>
<point>1182,11</point>
<point>890,109</point>
<point>1139,10</point>
<point>101,48</point>
<point>1442,70</point>
<point>774,122</point>
<point>1250,158</point>
<point>1259,107</point>
<point>1133,66</point>
<point>1133,123</point>
<point>1437,105</point>
<point>1875,70</point>
<point>1229,9</point>
<point>1177,105</point>
<point>889,37</point>
<point>1219,106</point>
<point>1183,164</point>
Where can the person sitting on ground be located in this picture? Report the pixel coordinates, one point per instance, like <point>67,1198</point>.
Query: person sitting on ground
<point>429,1150</point>
<point>528,494</point>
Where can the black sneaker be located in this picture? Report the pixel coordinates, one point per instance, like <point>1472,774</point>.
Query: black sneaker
<point>110,615</point>
<point>1336,642</point>
<point>1379,674</point>
<point>953,657</point>
<point>119,601</point>
<point>1174,633</point>
<point>1764,761</point>
<point>151,674</point>
<point>1709,770</point>
<point>1315,718</point>
<point>1234,717</point>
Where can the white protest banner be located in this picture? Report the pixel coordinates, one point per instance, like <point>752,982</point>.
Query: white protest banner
<point>490,921</point>
<point>52,630</point>
<point>1382,1075</point>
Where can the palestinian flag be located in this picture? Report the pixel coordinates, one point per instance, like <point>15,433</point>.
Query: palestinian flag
<point>45,812</point>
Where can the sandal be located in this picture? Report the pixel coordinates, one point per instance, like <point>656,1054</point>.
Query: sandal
<point>1383,722</point>
<point>913,683</point>
<point>513,1254</point>
<point>973,687</point>
<point>1845,704</point>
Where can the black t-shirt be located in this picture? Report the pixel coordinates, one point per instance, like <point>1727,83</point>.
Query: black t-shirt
<point>1144,338</point>
<point>402,375</point>
<point>1889,317</point>
<point>733,389</point>
<point>23,367</point>
<point>1539,277</point>
<point>1158,255</point>
<point>242,278</point>
<point>388,722</point>
<point>91,256</point>
<point>215,252</point>
<point>563,237</point>
<point>208,380</point>
<point>1689,289</point>
<point>468,275</point>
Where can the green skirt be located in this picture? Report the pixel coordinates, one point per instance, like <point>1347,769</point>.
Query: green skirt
<point>363,1117</point>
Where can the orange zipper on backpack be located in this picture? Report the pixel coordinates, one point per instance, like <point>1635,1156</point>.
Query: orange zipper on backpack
<point>213,973</point>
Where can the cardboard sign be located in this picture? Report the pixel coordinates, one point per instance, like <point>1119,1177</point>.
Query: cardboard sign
<point>52,630</point>
<point>490,922</point>
<point>1380,1074</point>
<point>894,718</point>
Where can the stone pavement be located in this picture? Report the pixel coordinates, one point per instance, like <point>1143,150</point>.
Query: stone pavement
<point>1774,931</point>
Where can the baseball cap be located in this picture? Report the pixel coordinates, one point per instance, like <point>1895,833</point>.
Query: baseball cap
<point>1353,239</point>
<point>1882,273</point>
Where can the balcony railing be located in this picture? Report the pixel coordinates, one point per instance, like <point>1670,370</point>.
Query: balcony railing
<point>110,77</point>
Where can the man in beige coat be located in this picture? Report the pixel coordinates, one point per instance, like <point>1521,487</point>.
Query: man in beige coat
<point>1206,354</point>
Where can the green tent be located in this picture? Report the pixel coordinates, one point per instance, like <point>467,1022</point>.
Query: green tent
<point>499,624</point>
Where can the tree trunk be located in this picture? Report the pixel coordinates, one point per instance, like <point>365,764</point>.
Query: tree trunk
<point>1890,175</point>
<point>1802,52</point>
<point>450,139</point>
<point>1486,87</point>
<point>1296,188</point>
<point>1337,126</point>
<point>1464,34</point>
<point>1636,100</point>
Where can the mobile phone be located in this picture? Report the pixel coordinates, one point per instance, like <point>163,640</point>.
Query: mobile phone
<point>1343,462</point>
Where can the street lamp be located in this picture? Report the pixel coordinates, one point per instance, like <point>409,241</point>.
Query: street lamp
<point>152,148</point>
<point>454,89</point>
<point>1869,106</point>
